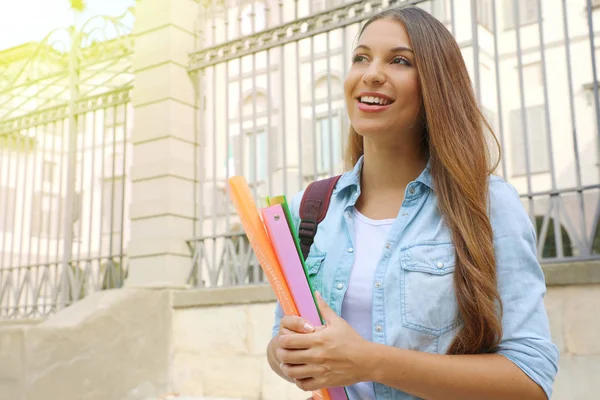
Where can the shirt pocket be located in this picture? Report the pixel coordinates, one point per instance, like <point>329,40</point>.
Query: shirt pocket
<point>314,263</point>
<point>428,297</point>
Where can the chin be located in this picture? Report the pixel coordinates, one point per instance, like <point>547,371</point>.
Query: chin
<point>370,128</point>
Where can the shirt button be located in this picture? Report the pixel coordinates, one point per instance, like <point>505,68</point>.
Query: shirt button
<point>350,250</point>
<point>348,214</point>
<point>378,328</point>
<point>388,246</point>
<point>377,285</point>
<point>340,286</point>
<point>440,264</point>
<point>411,190</point>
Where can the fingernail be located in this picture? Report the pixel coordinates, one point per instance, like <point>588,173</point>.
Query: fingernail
<point>308,327</point>
<point>318,294</point>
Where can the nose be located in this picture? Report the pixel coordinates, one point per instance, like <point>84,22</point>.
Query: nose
<point>374,74</point>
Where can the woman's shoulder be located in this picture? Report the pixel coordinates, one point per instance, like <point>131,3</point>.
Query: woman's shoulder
<point>506,211</point>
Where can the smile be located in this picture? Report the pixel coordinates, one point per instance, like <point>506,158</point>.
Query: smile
<point>372,100</point>
<point>372,104</point>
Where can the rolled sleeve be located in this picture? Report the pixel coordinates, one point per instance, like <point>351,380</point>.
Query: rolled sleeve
<point>526,339</point>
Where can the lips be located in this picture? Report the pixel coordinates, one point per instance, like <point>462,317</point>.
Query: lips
<point>373,102</point>
<point>374,98</point>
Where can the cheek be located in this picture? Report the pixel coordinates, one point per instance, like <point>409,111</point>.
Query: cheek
<point>352,78</point>
<point>410,90</point>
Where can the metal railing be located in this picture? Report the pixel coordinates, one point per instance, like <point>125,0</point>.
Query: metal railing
<point>65,121</point>
<point>271,76</point>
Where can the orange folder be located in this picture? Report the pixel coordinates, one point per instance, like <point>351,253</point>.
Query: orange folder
<point>263,249</point>
<point>257,235</point>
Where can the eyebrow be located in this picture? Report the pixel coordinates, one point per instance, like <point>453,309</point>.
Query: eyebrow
<point>394,50</point>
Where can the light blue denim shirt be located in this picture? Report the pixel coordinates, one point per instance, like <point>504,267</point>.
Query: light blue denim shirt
<point>414,302</point>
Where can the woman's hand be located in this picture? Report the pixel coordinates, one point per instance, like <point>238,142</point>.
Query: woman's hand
<point>287,326</point>
<point>333,355</point>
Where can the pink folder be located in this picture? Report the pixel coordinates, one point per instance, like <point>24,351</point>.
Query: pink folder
<point>285,249</point>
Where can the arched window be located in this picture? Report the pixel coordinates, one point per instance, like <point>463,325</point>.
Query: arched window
<point>253,17</point>
<point>249,144</point>
<point>323,134</point>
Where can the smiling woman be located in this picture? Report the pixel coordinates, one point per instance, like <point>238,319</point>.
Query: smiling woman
<point>426,261</point>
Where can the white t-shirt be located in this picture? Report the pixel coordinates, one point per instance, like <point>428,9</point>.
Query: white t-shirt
<point>370,237</point>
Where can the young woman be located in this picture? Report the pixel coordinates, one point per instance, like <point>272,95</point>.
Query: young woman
<point>426,262</point>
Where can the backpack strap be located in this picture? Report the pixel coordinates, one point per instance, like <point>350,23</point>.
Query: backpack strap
<point>313,209</point>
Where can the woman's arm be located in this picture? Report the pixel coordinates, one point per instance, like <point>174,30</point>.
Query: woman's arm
<point>338,356</point>
<point>446,377</point>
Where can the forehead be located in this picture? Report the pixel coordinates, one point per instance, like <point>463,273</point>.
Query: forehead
<point>385,32</point>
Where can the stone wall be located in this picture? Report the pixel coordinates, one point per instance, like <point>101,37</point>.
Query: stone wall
<point>219,343</point>
<point>113,345</point>
<point>142,344</point>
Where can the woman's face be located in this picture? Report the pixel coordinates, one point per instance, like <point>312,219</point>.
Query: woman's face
<point>382,89</point>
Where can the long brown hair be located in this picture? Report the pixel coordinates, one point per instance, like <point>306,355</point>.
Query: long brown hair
<point>460,166</point>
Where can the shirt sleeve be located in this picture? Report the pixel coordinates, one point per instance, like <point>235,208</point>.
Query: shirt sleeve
<point>526,339</point>
<point>295,213</point>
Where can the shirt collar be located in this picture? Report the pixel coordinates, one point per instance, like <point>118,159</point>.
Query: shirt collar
<point>352,178</point>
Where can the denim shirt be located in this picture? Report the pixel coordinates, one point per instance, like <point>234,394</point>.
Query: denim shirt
<point>414,301</point>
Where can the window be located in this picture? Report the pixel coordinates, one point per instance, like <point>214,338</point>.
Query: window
<point>437,8</point>
<point>324,5</point>
<point>321,146</point>
<point>47,216</point>
<point>48,170</point>
<point>257,156</point>
<point>329,144</point>
<point>7,208</point>
<point>112,205</point>
<point>253,18</point>
<point>532,75</point>
<point>490,117</point>
<point>485,14</point>
<point>537,141</point>
<point>528,12</point>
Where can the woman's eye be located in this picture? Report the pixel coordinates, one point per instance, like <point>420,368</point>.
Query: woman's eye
<point>358,58</point>
<point>400,60</point>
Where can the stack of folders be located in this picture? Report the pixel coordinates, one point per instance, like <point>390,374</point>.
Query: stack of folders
<point>277,249</point>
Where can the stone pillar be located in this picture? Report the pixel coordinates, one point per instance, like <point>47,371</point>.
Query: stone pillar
<point>164,163</point>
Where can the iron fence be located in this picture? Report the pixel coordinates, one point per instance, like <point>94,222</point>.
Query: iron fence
<point>270,75</point>
<point>65,119</point>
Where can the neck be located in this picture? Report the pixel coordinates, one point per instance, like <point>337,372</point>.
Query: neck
<point>388,169</point>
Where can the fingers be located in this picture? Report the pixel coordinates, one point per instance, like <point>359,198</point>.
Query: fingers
<point>301,371</point>
<point>326,312</point>
<point>296,324</point>
<point>295,357</point>
<point>299,342</point>
<point>308,384</point>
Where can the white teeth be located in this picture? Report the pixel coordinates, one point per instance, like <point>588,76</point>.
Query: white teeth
<point>374,100</point>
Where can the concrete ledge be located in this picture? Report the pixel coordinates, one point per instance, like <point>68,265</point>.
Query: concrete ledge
<point>223,296</point>
<point>573,273</point>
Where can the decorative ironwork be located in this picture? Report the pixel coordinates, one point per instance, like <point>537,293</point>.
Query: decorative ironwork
<point>89,104</point>
<point>64,161</point>
<point>276,114</point>
<point>38,76</point>
<point>294,31</point>
<point>224,260</point>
